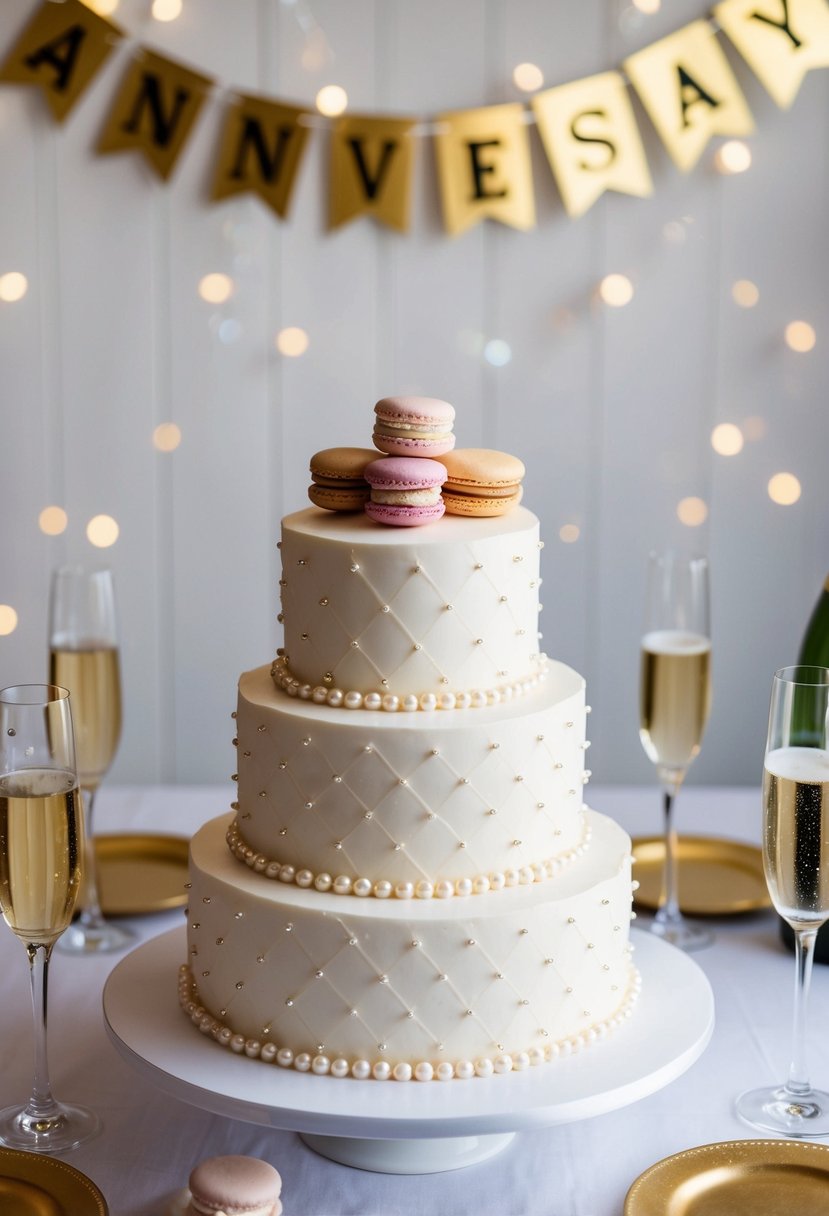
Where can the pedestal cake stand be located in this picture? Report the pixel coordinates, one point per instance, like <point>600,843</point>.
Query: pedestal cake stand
<point>408,1127</point>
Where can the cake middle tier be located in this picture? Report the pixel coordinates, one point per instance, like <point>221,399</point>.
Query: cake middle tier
<point>448,803</point>
<point>448,607</point>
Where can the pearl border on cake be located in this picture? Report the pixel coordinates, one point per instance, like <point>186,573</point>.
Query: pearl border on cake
<point>390,702</point>
<point>385,1070</point>
<point>383,888</point>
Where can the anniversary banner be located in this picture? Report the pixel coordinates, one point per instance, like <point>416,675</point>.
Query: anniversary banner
<point>588,127</point>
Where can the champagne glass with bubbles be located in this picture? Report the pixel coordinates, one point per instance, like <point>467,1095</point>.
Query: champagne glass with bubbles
<point>83,653</point>
<point>674,703</point>
<point>41,857</point>
<point>796,862</point>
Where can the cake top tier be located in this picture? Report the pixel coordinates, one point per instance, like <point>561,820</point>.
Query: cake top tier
<point>441,610</point>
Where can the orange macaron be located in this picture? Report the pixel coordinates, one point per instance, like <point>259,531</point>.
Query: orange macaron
<point>481,481</point>
<point>337,478</point>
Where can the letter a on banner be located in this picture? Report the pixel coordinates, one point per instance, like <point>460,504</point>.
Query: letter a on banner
<point>154,112</point>
<point>61,50</point>
<point>781,40</point>
<point>371,170</point>
<point>592,141</point>
<point>689,91</point>
<point>484,167</point>
<point>260,151</point>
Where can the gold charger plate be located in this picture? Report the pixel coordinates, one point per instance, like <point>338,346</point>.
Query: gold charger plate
<point>717,877</point>
<point>140,873</point>
<point>34,1185</point>
<point>755,1177</point>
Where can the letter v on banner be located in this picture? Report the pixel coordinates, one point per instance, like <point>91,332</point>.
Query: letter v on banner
<point>260,151</point>
<point>371,170</point>
<point>484,167</point>
<point>780,40</point>
<point>689,91</point>
<point>61,50</point>
<point>155,110</point>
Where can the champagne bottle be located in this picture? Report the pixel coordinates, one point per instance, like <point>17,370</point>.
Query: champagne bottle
<point>814,652</point>
<point>814,649</point>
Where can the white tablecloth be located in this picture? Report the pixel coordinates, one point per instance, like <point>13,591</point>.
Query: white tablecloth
<point>150,1142</point>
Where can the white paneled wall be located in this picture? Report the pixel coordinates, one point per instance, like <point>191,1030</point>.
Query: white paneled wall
<point>612,409</point>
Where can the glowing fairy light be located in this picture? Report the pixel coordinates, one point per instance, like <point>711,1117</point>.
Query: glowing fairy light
<point>692,512</point>
<point>528,77</point>
<point>733,156</point>
<point>216,288</point>
<point>800,336</point>
<point>13,286</point>
<point>52,521</point>
<point>102,531</point>
<point>745,293</point>
<point>332,100</point>
<point>616,290</point>
<point>8,620</point>
<point>727,439</point>
<point>166,437</point>
<point>292,341</point>
<point>784,489</point>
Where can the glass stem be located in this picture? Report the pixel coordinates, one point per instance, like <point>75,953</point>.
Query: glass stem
<point>42,1107</point>
<point>669,912</point>
<point>91,917</point>
<point>804,943</point>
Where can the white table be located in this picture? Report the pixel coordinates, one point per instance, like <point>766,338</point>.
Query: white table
<point>151,1142</point>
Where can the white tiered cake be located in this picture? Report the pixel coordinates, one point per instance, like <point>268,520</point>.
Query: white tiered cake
<point>413,884</point>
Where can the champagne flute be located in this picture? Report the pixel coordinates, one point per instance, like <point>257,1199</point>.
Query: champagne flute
<point>674,702</point>
<point>796,862</point>
<point>41,854</point>
<point>83,650</point>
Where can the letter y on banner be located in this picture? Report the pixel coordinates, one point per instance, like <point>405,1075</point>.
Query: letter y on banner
<point>484,167</point>
<point>781,40</point>
<point>61,50</point>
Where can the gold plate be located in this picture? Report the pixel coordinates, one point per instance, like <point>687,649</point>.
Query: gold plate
<point>141,873</point>
<point>755,1177</point>
<point>716,877</point>
<point>34,1185</point>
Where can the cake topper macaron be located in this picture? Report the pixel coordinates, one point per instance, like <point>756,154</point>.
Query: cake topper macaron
<point>481,481</point>
<point>337,478</point>
<point>405,492</point>
<point>234,1186</point>
<point>413,426</point>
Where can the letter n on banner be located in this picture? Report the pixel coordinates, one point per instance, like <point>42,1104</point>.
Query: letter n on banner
<point>260,151</point>
<point>689,91</point>
<point>781,40</point>
<point>484,167</point>
<point>371,170</point>
<point>155,110</point>
<point>61,50</point>
<point>592,141</point>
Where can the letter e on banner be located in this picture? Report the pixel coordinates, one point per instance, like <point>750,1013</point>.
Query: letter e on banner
<point>689,91</point>
<point>592,141</point>
<point>61,50</point>
<point>484,167</point>
<point>260,151</point>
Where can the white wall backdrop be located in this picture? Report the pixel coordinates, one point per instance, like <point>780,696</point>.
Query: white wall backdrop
<point>611,408</point>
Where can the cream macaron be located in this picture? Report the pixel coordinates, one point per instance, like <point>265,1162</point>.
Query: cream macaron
<point>481,481</point>
<point>413,426</point>
<point>234,1186</point>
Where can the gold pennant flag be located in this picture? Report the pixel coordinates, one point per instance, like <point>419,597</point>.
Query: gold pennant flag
<point>260,151</point>
<point>61,51</point>
<point>371,170</point>
<point>155,110</point>
<point>689,91</point>
<point>484,167</point>
<point>781,40</point>
<point>592,141</point>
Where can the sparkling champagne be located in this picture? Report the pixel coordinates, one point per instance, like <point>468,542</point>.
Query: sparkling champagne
<point>91,673</point>
<point>41,847</point>
<point>796,833</point>
<point>675,696</point>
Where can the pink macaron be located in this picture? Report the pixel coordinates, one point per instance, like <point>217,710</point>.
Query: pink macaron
<point>405,492</point>
<point>413,426</point>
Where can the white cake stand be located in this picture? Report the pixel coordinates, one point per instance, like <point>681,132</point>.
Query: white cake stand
<point>413,1127</point>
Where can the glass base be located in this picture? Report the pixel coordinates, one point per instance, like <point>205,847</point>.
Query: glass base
<point>64,1128</point>
<point>776,1109</point>
<point>686,935</point>
<point>100,937</point>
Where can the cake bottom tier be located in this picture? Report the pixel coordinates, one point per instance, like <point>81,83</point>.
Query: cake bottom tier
<point>409,988</point>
